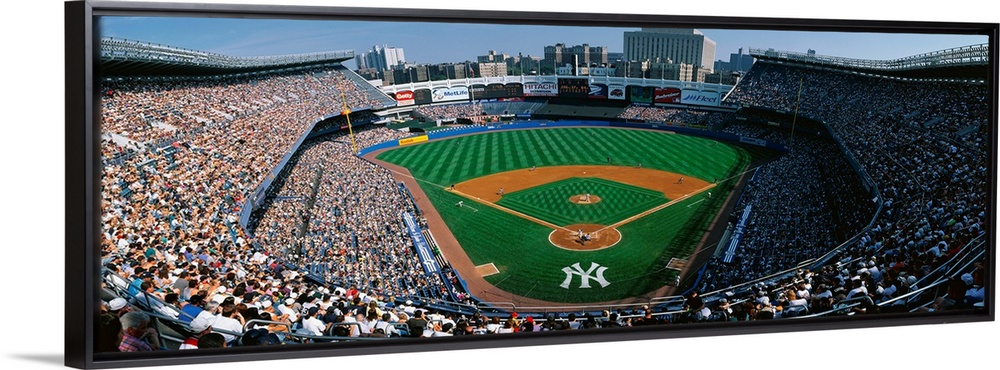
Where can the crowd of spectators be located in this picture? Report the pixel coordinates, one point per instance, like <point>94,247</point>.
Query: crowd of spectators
<point>676,116</point>
<point>359,93</point>
<point>477,111</point>
<point>169,211</point>
<point>449,112</point>
<point>154,111</point>
<point>349,227</point>
<point>797,201</point>
<point>924,146</point>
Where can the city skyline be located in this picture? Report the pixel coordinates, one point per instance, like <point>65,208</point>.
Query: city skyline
<point>433,43</point>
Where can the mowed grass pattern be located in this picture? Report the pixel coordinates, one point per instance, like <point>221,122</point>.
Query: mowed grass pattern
<point>462,158</point>
<point>551,202</point>
<point>529,265</point>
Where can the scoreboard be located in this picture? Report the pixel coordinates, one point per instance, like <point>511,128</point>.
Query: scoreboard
<point>494,91</point>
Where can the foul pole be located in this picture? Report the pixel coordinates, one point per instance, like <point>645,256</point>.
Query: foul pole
<point>347,114</point>
<point>795,117</point>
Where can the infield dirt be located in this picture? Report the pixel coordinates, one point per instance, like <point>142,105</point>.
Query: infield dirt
<point>487,187</point>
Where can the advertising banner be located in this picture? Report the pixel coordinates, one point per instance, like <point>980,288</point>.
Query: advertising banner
<point>404,98</point>
<point>598,91</point>
<point>695,97</point>
<point>423,249</point>
<point>640,94</point>
<point>541,89</point>
<point>450,94</point>
<point>753,141</point>
<point>616,92</point>
<point>422,96</point>
<point>412,140</point>
<point>667,95</point>
<point>573,88</point>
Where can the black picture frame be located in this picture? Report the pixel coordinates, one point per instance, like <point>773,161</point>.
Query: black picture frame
<point>79,160</point>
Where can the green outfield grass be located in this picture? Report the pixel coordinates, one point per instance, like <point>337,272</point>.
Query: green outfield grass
<point>550,202</point>
<point>529,265</point>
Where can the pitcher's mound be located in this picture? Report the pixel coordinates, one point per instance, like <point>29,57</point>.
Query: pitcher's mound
<point>584,199</point>
<point>569,237</point>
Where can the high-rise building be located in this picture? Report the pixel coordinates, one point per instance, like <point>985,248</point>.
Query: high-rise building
<point>627,68</point>
<point>448,71</point>
<point>553,54</point>
<point>671,71</point>
<point>407,74</point>
<point>581,55</point>
<point>740,62</point>
<point>496,69</point>
<point>523,64</point>
<point>687,46</point>
<point>380,58</point>
<point>492,57</point>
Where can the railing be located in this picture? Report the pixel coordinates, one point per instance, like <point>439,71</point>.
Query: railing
<point>960,56</point>
<point>130,50</point>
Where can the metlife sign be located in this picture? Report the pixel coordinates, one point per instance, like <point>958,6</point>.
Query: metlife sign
<point>695,97</point>
<point>450,94</point>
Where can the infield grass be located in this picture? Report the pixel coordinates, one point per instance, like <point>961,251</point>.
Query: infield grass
<point>551,202</point>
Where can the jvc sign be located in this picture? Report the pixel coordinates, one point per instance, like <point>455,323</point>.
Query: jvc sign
<point>695,97</point>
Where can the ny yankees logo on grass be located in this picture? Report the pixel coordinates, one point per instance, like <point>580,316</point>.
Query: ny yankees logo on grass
<point>585,276</point>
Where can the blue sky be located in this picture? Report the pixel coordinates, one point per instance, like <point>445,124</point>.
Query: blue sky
<point>436,43</point>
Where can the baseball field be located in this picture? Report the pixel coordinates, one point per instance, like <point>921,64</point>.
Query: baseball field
<point>572,215</point>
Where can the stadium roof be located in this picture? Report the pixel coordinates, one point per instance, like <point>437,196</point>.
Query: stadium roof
<point>120,57</point>
<point>967,63</point>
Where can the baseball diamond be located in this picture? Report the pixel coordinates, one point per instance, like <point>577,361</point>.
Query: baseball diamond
<point>647,214</point>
